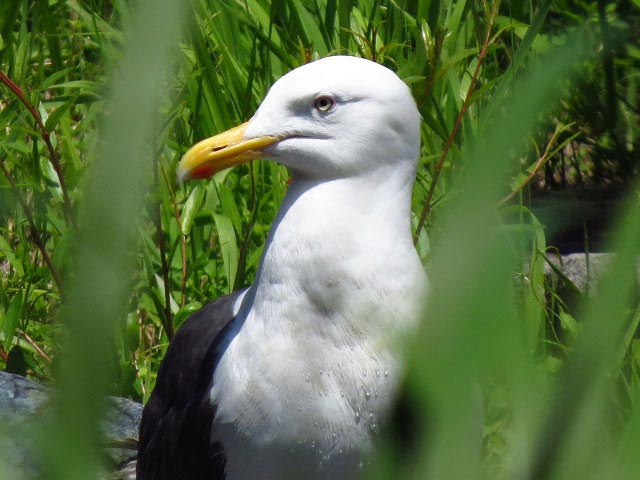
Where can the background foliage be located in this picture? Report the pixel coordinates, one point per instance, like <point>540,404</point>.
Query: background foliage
<point>516,97</point>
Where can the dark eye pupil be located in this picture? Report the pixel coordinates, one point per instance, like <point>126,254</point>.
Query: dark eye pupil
<point>323,103</point>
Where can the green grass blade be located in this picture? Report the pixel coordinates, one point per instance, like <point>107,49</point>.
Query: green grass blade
<point>113,202</point>
<point>470,329</point>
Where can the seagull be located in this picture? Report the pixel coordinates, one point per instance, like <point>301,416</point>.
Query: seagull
<point>292,377</point>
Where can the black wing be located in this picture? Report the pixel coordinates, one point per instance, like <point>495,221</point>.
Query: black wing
<point>175,431</point>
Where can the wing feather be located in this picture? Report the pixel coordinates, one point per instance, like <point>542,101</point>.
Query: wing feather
<point>175,431</point>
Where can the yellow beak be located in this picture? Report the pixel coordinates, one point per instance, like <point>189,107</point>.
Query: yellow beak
<point>222,151</point>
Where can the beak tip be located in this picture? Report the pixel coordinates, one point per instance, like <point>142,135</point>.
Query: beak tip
<point>182,174</point>
<point>220,152</point>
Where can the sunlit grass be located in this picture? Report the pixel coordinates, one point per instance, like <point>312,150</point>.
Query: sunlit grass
<point>122,97</point>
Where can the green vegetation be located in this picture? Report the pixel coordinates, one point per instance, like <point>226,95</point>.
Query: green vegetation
<point>515,96</point>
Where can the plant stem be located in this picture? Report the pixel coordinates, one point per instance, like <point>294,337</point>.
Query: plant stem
<point>46,136</point>
<point>35,235</point>
<point>35,346</point>
<point>426,209</point>
<point>542,160</point>
<point>183,239</point>
<point>163,256</point>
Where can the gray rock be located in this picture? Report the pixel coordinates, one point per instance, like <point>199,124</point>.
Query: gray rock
<point>582,270</point>
<point>20,397</point>
<point>23,406</point>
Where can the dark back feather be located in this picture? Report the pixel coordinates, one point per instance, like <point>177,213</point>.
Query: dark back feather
<point>175,431</point>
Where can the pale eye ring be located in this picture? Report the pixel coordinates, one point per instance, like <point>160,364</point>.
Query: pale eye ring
<point>323,103</point>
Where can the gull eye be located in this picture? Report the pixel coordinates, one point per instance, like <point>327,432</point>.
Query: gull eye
<point>323,103</point>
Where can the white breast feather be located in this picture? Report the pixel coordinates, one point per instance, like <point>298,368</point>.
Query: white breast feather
<point>302,394</point>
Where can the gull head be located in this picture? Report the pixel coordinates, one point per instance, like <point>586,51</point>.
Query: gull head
<point>333,118</point>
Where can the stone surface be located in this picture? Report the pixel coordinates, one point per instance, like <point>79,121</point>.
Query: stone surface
<point>24,404</point>
<point>584,271</point>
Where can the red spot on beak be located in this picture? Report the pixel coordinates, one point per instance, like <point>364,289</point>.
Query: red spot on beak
<point>203,171</point>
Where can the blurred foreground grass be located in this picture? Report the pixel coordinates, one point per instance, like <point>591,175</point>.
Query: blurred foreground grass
<point>505,90</point>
